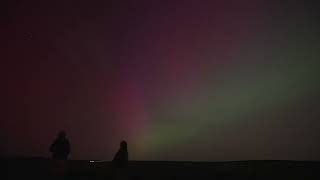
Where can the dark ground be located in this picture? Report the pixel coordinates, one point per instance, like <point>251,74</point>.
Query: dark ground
<point>41,168</point>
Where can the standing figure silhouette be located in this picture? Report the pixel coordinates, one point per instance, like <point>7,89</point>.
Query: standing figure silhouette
<point>60,148</point>
<point>121,157</point>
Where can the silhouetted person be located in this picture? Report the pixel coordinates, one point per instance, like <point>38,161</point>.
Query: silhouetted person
<point>121,158</point>
<point>60,148</point>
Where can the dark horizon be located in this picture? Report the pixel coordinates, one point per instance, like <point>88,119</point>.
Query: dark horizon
<point>30,158</point>
<point>207,80</point>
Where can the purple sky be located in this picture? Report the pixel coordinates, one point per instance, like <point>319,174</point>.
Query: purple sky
<point>200,80</point>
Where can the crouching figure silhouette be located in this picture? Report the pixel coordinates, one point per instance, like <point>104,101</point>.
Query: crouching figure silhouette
<point>120,163</point>
<point>121,158</point>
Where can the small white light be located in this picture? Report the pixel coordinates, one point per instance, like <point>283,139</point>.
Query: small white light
<point>92,161</point>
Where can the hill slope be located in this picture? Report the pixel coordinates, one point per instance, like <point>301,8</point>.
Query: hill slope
<point>73,169</point>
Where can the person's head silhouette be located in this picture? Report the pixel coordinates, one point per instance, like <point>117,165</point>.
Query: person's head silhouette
<point>62,134</point>
<point>123,145</point>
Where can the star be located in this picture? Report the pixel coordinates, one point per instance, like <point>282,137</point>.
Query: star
<point>29,35</point>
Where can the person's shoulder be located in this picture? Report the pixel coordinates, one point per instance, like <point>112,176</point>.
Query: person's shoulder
<point>66,140</point>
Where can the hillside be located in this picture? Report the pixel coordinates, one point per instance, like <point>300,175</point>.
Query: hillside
<point>39,168</point>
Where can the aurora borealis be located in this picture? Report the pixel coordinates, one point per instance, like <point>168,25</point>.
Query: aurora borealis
<point>199,80</point>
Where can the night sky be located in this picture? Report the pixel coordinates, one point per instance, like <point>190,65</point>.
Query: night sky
<point>192,80</point>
